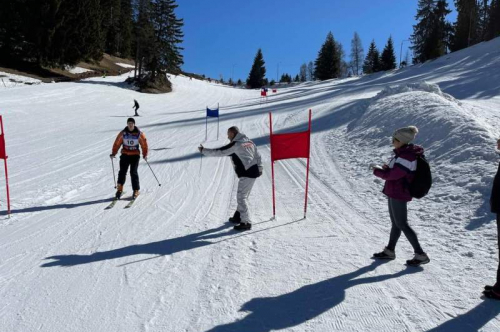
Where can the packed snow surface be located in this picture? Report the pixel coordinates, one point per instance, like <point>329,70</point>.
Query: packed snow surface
<point>8,80</point>
<point>172,262</point>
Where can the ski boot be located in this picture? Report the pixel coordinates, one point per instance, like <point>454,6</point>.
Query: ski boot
<point>136,193</point>
<point>119,191</point>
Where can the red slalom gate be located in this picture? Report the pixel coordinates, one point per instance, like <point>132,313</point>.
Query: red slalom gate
<point>288,146</point>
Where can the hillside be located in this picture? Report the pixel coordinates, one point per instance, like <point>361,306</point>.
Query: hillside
<point>173,263</point>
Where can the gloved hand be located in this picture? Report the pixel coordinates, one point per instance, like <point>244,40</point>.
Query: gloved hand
<point>112,156</point>
<point>145,158</point>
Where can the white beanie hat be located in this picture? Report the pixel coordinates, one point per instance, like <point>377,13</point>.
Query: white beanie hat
<point>406,134</point>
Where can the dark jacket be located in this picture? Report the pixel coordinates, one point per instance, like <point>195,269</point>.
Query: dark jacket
<point>495,193</point>
<point>401,172</point>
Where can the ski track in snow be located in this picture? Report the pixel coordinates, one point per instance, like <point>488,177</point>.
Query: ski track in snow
<point>173,263</point>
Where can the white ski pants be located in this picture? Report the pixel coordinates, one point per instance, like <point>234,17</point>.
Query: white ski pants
<point>245,186</point>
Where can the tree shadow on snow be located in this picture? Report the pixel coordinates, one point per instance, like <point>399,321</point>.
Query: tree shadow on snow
<point>337,117</point>
<point>473,320</point>
<point>159,248</point>
<point>57,206</point>
<point>295,308</point>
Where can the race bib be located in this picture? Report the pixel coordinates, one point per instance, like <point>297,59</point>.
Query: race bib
<point>130,142</point>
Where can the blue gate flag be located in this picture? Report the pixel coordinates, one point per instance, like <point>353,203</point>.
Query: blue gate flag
<point>213,113</point>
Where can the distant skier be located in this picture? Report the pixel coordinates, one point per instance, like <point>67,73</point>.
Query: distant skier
<point>130,139</point>
<point>248,167</point>
<point>397,175</point>
<point>494,291</point>
<point>136,107</point>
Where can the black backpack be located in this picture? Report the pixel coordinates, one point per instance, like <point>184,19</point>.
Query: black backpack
<point>422,181</point>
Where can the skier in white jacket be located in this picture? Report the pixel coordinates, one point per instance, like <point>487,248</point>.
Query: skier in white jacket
<point>248,167</point>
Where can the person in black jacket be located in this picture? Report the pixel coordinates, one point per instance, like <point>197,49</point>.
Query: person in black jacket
<point>136,107</point>
<point>494,291</point>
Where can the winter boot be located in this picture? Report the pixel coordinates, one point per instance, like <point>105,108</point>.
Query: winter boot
<point>418,260</point>
<point>119,191</point>
<point>235,218</point>
<point>244,226</point>
<point>491,294</point>
<point>385,254</point>
<point>136,193</point>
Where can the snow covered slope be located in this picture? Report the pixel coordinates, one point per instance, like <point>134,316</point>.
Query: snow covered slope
<point>173,263</point>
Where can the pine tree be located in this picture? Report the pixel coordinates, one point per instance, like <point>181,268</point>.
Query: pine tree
<point>258,71</point>
<point>493,27</point>
<point>467,30</point>
<point>327,64</point>
<point>483,11</point>
<point>372,60</point>
<point>126,26</point>
<point>357,54</point>
<point>144,36</point>
<point>165,53</point>
<point>431,34</point>
<point>110,24</point>
<point>388,58</point>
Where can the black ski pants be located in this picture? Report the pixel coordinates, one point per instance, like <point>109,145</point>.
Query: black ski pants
<point>497,285</point>
<point>133,162</point>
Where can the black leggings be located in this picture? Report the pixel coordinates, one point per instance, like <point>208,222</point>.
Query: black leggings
<point>498,235</point>
<point>399,218</point>
<point>133,162</point>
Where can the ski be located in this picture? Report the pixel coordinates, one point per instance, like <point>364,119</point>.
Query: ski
<point>129,205</point>
<point>113,203</point>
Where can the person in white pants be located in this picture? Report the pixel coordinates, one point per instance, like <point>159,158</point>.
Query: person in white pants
<point>248,167</point>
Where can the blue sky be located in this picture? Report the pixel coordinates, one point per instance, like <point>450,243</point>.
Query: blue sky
<point>222,36</point>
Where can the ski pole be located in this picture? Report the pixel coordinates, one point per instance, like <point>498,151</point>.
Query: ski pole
<point>113,166</point>
<point>159,184</point>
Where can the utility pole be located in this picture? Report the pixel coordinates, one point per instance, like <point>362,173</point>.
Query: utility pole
<point>401,51</point>
<point>278,72</point>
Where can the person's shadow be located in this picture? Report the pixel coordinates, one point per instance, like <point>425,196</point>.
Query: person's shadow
<point>159,248</point>
<point>292,309</point>
<point>473,320</point>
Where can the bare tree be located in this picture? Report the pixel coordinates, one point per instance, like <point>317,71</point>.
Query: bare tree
<point>357,54</point>
<point>303,73</point>
<point>310,71</point>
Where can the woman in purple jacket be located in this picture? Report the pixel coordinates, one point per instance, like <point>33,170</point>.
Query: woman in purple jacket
<point>397,175</point>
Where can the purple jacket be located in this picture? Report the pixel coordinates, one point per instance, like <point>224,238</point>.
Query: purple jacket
<point>401,171</point>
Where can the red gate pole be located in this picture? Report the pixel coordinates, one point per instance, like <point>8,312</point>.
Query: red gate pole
<point>6,172</point>
<point>272,162</point>
<point>308,158</point>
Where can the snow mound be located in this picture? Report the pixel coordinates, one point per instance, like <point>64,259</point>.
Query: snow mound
<point>125,65</point>
<point>77,70</point>
<point>420,86</point>
<point>460,150</point>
